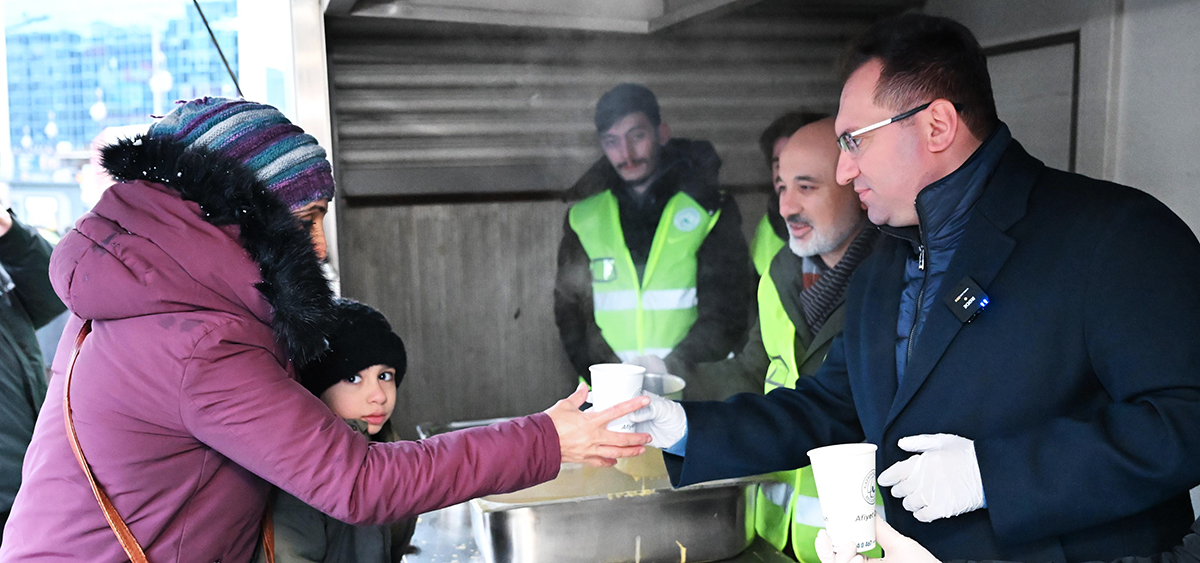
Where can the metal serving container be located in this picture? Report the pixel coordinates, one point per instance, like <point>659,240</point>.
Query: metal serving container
<point>663,385</point>
<point>706,522</point>
<point>627,513</point>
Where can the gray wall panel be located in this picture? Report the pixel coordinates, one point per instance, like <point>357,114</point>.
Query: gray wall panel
<point>469,288</point>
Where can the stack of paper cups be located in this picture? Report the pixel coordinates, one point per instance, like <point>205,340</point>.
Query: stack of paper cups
<point>845,478</point>
<point>615,383</point>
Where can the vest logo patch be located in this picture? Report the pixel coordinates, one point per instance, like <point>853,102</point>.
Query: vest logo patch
<point>687,219</point>
<point>604,269</point>
<point>777,372</point>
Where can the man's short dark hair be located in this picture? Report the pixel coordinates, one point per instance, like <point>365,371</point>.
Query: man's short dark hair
<point>785,126</point>
<point>925,58</point>
<point>623,100</point>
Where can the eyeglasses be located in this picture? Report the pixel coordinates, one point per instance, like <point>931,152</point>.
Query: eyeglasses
<point>849,142</point>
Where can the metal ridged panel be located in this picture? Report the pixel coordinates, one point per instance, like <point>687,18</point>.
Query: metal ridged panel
<point>420,107</point>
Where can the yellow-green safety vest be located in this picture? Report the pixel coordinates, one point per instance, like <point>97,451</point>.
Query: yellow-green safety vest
<point>789,497</point>
<point>765,246</point>
<point>653,315</point>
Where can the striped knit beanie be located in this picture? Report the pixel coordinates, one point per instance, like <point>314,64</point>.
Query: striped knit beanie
<point>288,161</point>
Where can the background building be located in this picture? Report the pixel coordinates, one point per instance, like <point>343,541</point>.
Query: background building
<point>69,80</point>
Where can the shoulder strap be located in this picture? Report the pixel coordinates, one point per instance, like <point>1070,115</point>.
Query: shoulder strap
<point>268,535</point>
<point>128,543</point>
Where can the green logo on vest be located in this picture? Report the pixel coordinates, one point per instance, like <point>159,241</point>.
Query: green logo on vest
<point>604,269</point>
<point>777,372</point>
<point>687,219</point>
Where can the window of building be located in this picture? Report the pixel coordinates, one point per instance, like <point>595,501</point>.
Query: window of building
<point>81,74</point>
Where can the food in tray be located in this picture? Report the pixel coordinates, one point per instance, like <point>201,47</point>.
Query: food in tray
<point>631,476</point>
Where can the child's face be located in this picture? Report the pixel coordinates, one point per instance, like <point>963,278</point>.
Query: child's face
<point>370,396</point>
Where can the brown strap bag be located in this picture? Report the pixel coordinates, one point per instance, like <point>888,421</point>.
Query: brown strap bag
<point>128,542</point>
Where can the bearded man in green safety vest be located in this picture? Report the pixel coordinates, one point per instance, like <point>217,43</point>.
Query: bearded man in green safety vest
<point>770,234</point>
<point>653,268</point>
<point>800,311</point>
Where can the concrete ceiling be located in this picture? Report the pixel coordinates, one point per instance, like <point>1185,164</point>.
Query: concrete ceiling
<point>627,16</point>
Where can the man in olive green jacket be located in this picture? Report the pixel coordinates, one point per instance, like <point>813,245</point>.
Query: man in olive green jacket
<point>800,311</point>
<point>27,302</point>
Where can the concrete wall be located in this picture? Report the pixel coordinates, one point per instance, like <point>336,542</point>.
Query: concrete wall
<point>1159,128</point>
<point>1139,118</point>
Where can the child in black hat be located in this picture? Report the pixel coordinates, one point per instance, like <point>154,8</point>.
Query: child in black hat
<point>357,378</point>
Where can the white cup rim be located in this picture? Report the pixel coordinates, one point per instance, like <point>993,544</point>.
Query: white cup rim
<point>841,450</point>
<point>617,369</point>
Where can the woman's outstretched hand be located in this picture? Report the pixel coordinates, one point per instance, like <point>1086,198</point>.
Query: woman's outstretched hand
<point>583,436</point>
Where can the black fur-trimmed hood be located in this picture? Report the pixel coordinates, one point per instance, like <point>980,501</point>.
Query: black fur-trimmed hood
<point>229,194</point>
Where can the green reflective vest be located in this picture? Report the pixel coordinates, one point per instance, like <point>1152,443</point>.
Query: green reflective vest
<point>788,497</point>
<point>765,245</point>
<point>652,315</point>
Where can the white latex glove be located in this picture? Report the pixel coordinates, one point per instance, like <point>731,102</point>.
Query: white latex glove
<point>653,364</point>
<point>663,419</point>
<point>940,482</point>
<point>897,548</point>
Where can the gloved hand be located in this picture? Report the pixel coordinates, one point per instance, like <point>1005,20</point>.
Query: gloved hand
<point>940,482</point>
<point>663,419</point>
<point>897,548</point>
<point>652,363</point>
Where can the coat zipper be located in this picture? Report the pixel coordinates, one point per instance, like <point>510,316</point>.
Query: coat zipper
<point>920,294</point>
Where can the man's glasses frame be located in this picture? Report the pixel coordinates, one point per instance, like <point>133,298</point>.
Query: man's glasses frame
<point>849,141</point>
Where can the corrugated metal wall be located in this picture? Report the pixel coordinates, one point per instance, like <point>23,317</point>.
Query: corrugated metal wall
<point>453,142</point>
<point>436,109</point>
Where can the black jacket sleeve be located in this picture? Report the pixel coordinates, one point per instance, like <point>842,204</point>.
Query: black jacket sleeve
<point>724,290</point>
<point>573,309</point>
<point>741,436</point>
<point>26,257</point>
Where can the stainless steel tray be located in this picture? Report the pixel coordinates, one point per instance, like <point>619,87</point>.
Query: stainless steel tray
<point>629,513</point>
<point>706,522</point>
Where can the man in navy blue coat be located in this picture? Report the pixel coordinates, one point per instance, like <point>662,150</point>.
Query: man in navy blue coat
<point>1024,348</point>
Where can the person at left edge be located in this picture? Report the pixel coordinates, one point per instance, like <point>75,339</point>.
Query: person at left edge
<point>27,302</point>
<point>653,267</point>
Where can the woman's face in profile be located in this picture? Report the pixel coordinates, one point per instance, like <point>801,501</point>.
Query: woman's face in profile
<point>369,396</point>
<point>312,218</point>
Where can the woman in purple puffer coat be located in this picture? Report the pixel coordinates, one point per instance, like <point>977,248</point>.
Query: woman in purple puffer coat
<point>203,287</point>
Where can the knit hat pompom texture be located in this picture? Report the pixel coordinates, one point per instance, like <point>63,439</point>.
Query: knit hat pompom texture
<point>288,161</point>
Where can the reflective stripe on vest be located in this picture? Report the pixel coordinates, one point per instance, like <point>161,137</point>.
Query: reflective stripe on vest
<point>778,336</point>
<point>801,516</point>
<point>653,315</point>
<point>765,245</point>
<point>801,509</point>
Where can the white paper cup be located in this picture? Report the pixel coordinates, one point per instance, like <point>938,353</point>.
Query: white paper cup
<point>845,478</point>
<point>615,383</point>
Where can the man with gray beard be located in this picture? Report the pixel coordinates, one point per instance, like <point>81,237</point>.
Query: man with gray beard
<point>800,311</point>
<point>806,280</point>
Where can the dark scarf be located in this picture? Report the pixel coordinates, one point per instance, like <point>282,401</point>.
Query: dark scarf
<point>829,291</point>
